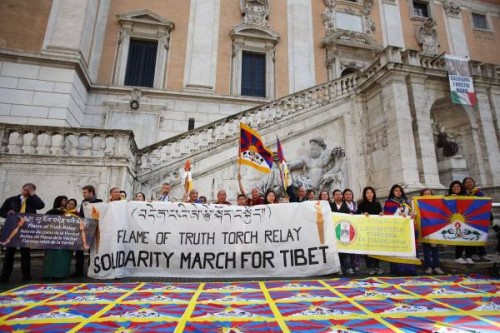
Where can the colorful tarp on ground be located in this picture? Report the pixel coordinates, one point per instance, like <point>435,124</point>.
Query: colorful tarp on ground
<point>381,304</point>
<point>458,220</point>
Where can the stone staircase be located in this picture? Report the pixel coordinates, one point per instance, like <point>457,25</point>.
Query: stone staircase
<point>170,154</point>
<point>164,160</point>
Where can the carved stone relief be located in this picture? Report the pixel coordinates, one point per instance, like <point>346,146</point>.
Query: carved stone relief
<point>255,11</point>
<point>427,37</point>
<point>332,21</point>
<point>451,8</point>
<point>348,49</point>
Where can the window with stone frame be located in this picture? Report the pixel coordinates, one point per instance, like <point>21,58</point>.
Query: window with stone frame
<point>420,9</point>
<point>141,63</point>
<point>142,53</point>
<point>253,62</point>
<point>253,74</point>
<point>479,21</point>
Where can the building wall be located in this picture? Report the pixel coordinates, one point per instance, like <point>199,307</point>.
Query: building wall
<point>484,46</point>
<point>23,23</point>
<point>176,11</point>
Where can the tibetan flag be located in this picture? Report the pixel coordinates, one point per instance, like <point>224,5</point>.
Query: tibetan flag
<point>454,220</point>
<point>253,152</point>
<point>187,180</point>
<point>284,171</point>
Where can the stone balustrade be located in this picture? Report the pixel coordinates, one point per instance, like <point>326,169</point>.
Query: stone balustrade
<point>178,147</point>
<point>63,141</point>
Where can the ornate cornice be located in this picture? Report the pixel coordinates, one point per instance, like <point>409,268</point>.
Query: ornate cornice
<point>451,8</point>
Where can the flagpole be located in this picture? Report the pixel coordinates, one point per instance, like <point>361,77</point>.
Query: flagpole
<point>239,154</point>
<point>282,173</point>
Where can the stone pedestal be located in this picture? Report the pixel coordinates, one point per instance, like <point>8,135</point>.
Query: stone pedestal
<point>452,168</point>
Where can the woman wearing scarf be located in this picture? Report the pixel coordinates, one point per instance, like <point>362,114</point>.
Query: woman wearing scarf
<point>370,206</point>
<point>348,197</point>
<point>431,251</point>
<point>472,190</point>
<point>456,189</point>
<point>397,204</point>
<point>58,261</point>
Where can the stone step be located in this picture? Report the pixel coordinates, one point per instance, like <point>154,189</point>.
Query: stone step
<point>482,267</point>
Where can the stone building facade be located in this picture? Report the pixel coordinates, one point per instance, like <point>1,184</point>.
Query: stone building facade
<point>366,76</point>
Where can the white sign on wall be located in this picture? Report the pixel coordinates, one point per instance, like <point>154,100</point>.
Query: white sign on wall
<point>347,21</point>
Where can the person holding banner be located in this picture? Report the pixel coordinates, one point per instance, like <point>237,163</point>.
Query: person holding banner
<point>397,204</point>
<point>431,251</point>
<point>339,206</point>
<point>370,206</point>
<point>310,195</point>
<point>139,196</point>
<point>470,189</point>
<point>348,198</point>
<point>270,197</point>
<point>88,193</point>
<point>241,200</point>
<point>165,192</point>
<point>57,263</point>
<point>456,189</point>
<point>115,194</point>
<point>192,197</point>
<point>221,198</point>
<point>324,195</point>
<point>27,202</point>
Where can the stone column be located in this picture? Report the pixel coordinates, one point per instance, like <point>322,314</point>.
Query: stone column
<point>455,31</point>
<point>495,105</point>
<point>201,52</point>
<point>401,141</point>
<point>301,64</point>
<point>485,119</point>
<point>355,145</point>
<point>421,105</point>
<point>70,28</point>
<point>392,28</point>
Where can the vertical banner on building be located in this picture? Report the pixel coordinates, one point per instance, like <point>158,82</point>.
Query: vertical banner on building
<point>461,86</point>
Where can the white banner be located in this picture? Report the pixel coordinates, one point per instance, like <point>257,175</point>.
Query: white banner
<point>192,240</point>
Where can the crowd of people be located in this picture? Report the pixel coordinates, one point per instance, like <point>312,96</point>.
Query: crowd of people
<point>57,263</point>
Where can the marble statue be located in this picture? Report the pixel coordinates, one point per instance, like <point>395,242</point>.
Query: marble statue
<point>322,168</point>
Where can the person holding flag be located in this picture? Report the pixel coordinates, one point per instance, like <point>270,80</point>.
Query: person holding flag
<point>253,153</point>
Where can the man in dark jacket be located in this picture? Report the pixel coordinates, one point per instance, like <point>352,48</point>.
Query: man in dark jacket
<point>301,194</point>
<point>88,193</point>
<point>27,202</point>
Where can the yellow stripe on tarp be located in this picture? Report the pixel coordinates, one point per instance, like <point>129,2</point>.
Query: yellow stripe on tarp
<point>370,314</point>
<point>106,308</point>
<point>399,260</point>
<point>460,311</point>
<point>49,298</point>
<point>189,310</point>
<point>274,308</point>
